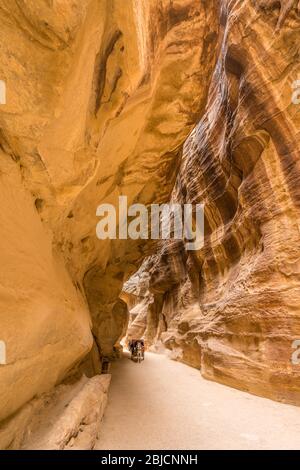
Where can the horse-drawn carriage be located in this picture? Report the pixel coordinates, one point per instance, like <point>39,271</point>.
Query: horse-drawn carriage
<point>137,349</point>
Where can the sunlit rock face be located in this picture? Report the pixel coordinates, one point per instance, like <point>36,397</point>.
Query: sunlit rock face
<point>232,309</point>
<point>99,100</point>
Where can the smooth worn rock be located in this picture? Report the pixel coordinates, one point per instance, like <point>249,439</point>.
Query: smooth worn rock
<point>97,103</point>
<point>231,309</point>
<point>99,100</point>
<point>73,419</point>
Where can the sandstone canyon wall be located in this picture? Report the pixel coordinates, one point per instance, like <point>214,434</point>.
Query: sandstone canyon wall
<point>100,98</point>
<point>232,309</point>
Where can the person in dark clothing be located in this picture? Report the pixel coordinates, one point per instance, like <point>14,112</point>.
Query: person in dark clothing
<point>132,346</point>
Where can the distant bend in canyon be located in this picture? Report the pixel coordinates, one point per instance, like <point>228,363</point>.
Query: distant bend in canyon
<point>182,100</point>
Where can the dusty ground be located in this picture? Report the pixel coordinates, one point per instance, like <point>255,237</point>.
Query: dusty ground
<point>162,404</point>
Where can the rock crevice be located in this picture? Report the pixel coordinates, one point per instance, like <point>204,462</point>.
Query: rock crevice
<point>184,100</point>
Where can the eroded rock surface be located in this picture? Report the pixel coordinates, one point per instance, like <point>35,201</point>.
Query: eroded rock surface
<point>231,309</point>
<point>100,99</point>
<point>67,417</point>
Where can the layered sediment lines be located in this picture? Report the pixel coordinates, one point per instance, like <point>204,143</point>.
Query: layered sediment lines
<point>231,309</point>
<point>99,100</point>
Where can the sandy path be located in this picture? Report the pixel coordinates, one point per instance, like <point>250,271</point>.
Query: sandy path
<point>162,404</point>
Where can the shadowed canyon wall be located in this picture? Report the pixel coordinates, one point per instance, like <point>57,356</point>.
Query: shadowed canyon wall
<point>101,95</point>
<point>232,309</point>
<point>100,98</point>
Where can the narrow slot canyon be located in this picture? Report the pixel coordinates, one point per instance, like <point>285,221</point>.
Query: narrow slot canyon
<point>142,110</point>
